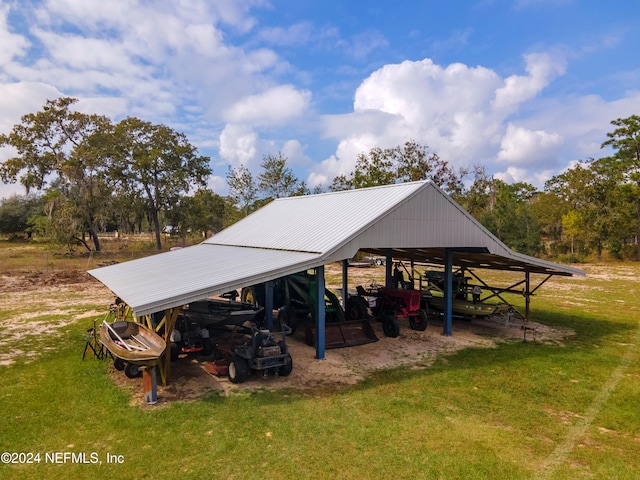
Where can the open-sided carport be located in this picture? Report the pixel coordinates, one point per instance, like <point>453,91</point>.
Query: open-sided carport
<point>414,221</point>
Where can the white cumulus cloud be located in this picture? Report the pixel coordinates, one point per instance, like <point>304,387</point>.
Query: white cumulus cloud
<point>238,145</point>
<point>515,174</point>
<point>463,113</point>
<point>271,107</point>
<point>520,145</point>
<point>12,44</point>
<point>541,68</point>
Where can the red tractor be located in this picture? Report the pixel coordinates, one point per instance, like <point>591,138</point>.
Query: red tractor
<point>390,305</point>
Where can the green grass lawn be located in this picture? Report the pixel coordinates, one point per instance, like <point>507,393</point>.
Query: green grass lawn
<point>521,410</point>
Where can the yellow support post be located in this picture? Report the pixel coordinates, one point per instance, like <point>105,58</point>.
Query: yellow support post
<point>170,318</point>
<point>161,324</point>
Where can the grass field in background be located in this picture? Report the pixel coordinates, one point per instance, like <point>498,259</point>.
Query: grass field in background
<point>43,257</point>
<point>520,410</point>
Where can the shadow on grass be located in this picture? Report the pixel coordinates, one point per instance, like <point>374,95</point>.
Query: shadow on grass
<point>596,343</point>
<point>595,346</point>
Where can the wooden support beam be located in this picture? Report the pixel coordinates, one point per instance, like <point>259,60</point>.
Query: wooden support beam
<point>146,321</point>
<point>149,385</point>
<point>161,324</point>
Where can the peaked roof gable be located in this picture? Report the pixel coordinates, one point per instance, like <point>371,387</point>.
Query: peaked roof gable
<point>337,225</point>
<point>316,223</point>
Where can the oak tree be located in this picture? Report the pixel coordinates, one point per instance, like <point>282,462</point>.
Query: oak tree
<point>70,148</point>
<point>158,164</point>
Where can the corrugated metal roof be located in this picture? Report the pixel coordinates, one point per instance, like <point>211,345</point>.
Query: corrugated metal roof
<point>414,220</point>
<point>175,278</point>
<point>315,223</point>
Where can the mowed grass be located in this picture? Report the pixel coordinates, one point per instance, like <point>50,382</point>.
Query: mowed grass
<point>521,410</point>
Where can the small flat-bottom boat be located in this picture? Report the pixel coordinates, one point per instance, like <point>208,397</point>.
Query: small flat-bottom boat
<point>133,342</point>
<point>465,307</point>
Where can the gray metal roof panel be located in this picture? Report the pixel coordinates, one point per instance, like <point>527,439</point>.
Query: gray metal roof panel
<point>178,277</point>
<point>315,223</point>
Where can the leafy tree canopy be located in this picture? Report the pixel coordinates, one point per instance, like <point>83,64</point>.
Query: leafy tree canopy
<point>69,147</point>
<point>277,179</point>
<point>159,164</point>
<point>403,163</point>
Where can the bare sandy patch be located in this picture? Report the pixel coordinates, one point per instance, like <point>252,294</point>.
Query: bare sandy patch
<point>342,367</point>
<point>28,296</point>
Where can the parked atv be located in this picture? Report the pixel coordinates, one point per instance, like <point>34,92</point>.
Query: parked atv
<point>265,352</point>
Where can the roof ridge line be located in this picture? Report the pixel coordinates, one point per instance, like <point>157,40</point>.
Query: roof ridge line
<point>261,248</point>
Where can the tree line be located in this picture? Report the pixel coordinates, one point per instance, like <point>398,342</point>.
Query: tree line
<point>85,175</point>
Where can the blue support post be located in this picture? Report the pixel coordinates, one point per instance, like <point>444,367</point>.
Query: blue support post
<point>448,291</point>
<point>345,284</point>
<point>269,304</point>
<point>320,323</point>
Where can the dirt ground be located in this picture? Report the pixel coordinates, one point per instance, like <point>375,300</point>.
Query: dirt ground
<point>67,291</point>
<point>347,366</point>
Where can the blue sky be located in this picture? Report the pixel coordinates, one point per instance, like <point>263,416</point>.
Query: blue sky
<point>524,87</point>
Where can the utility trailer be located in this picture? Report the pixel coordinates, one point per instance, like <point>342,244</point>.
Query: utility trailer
<point>466,299</point>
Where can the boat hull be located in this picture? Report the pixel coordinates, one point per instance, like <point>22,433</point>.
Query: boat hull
<point>145,346</point>
<point>464,307</point>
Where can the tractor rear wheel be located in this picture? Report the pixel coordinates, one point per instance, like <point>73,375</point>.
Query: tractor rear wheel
<point>174,351</point>
<point>356,308</point>
<point>419,322</point>
<point>287,316</point>
<point>238,369</point>
<point>207,347</point>
<point>247,296</point>
<point>390,325</point>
